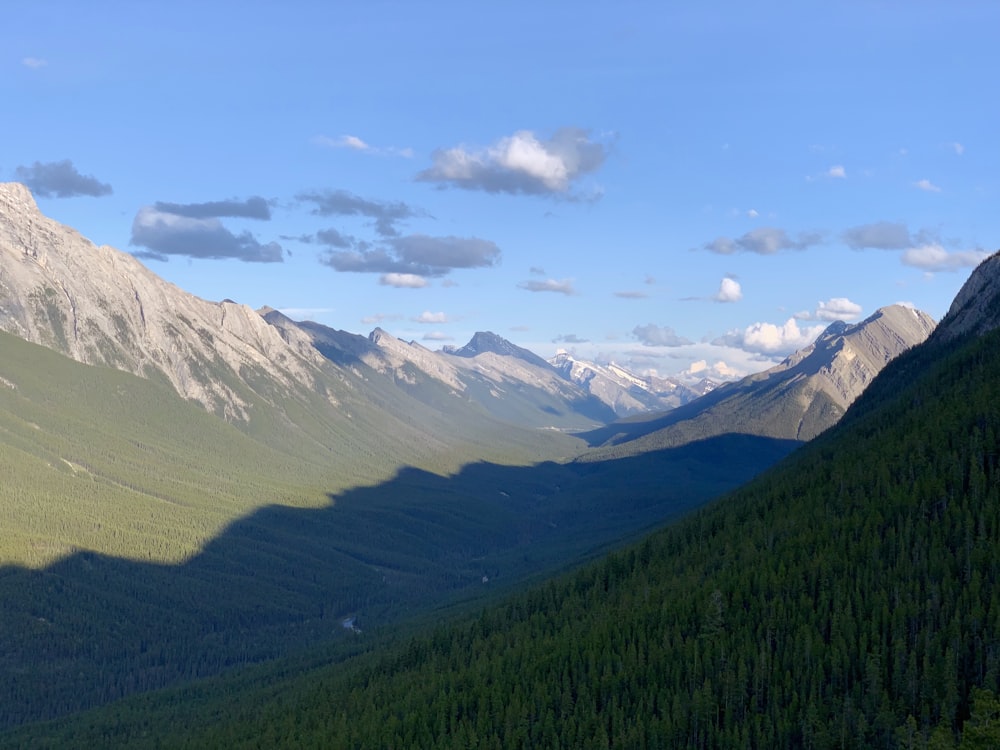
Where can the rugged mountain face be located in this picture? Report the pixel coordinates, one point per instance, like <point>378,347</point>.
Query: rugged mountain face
<point>101,306</point>
<point>490,373</point>
<point>976,308</point>
<point>625,392</point>
<point>798,399</point>
<point>483,342</point>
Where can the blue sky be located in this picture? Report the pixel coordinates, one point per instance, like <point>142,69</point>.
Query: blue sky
<point>692,188</point>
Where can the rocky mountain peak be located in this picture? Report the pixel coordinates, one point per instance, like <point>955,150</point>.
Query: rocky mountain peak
<point>99,305</point>
<point>976,308</point>
<point>486,341</point>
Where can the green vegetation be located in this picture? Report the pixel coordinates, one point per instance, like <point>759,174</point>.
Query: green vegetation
<point>147,543</point>
<point>847,598</point>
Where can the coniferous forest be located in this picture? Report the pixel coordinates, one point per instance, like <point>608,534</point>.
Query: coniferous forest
<point>845,599</point>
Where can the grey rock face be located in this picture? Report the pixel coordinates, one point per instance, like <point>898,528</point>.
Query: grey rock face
<point>101,306</point>
<point>976,308</point>
<point>795,400</point>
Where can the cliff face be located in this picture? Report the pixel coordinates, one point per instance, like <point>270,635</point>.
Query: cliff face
<point>99,305</point>
<point>976,308</point>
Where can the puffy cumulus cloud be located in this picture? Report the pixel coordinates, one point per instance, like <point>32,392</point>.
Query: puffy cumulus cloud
<point>763,241</point>
<point>254,207</point>
<point>429,317</point>
<point>837,171</point>
<point>838,308</point>
<point>384,215</point>
<point>729,291</point>
<point>60,179</point>
<point>933,257</point>
<point>719,370</point>
<point>560,286</point>
<point>417,254</point>
<point>927,185</point>
<point>354,143</point>
<point>403,280</point>
<point>521,163</point>
<point>769,339</point>
<point>164,234</point>
<point>882,235</point>
<point>654,335</point>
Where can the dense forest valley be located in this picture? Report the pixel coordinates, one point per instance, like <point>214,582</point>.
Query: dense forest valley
<point>222,528</point>
<point>845,598</point>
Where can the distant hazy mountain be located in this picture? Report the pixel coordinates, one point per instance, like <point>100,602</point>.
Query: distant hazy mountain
<point>624,391</point>
<point>797,399</point>
<point>504,380</point>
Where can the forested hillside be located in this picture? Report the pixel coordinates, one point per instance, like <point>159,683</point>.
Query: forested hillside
<point>848,598</point>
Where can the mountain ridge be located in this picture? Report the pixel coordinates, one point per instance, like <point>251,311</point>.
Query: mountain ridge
<point>797,399</point>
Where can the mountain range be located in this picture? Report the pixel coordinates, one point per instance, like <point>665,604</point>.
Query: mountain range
<point>846,598</point>
<point>796,400</point>
<point>192,486</point>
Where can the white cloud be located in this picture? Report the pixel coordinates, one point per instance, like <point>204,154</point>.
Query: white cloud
<point>403,280</point>
<point>519,163</point>
<point>927,185</point>
<point>837,171</point>
<point>34,62</point>
<point>836,308</point>
<point>560,286</point>
<point>753,213</point>
<point>729,291</point>
<point>958,148</point>
<point>719,370</point>
<point>769,339</point>
<point>431,317</point>
<point>933,257</point>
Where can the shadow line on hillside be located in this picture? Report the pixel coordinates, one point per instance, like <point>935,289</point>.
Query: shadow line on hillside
<point>91,628</point>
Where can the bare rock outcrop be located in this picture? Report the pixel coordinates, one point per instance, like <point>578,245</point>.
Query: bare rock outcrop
<point>99,305</point>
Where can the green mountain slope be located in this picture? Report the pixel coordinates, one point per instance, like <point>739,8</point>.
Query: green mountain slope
<point>147,542</point>
<point>847,598</point>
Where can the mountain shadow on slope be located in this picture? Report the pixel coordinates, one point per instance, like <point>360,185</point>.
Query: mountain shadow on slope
<point>89,628</point>
<point>847,598</point>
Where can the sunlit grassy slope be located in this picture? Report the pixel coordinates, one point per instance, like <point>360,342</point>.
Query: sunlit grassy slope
<point>96,459</point>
